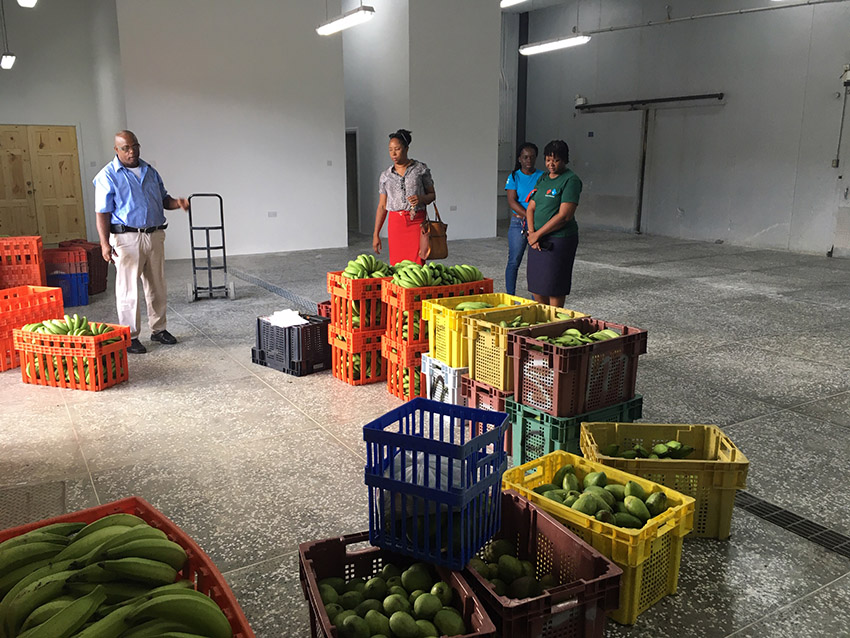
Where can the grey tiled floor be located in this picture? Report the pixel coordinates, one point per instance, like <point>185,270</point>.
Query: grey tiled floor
<point>252,462</point>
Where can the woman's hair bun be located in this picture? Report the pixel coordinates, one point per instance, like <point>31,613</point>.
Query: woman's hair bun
<point>402,135</point>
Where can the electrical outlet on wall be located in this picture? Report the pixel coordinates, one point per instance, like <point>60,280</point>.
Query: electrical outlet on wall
<point>452,208</point>
<point>272,213</point>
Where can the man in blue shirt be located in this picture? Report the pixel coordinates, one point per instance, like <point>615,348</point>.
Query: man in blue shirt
<point>129,201</point>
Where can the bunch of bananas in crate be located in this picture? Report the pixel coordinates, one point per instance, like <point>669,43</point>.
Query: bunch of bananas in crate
<point>373,360</point>
<point>366,267</point>
<point>112,578</point>
<point>418,325</point>
<point>409,274</point>
<point>356,314</point>
<point>75,326</point>
<point>405,381</point>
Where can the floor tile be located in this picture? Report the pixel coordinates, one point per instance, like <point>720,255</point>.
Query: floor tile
<point>798,462</point>
<point>725,585</point>
<point>835,409</point>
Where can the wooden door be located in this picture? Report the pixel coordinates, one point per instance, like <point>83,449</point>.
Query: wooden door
<point>17,201</point>
<point>56,177</point>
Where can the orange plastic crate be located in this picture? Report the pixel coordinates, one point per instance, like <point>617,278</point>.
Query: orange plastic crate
<point>21,262</point>
<point>199,567</point>
<point>403,359</point>
<point>344,355</point>
<point>20,306</point>
<point>406,326</point>
<point>46,359</point>
<point>411,298</point>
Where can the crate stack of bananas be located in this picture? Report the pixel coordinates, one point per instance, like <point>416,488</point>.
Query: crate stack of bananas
<point>62,366</point>
<point>366,267</point>
<point>412,275</point>
<point>75,326</point>
<point>113,578</point>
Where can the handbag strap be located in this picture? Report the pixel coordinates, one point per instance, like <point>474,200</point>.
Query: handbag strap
<point>436,212</point>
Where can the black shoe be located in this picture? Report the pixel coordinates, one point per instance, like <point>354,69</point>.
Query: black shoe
<point>136,347</point>
<point>163,336</point>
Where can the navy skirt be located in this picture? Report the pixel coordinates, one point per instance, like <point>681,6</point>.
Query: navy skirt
<point>550,270</point>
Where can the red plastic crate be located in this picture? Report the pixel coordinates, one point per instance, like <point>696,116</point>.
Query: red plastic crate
<point>588,582</point>
<point>366,345</point>
<point>332,557</point>
<point>20,306</point>
<point>21,262</point>
<point>564,381</point>
<point>53,355</point>
<point>199,567</point>
<point>478,394</point>
<point>323,309</point>
<point>356,303</point>
<point>403,359</point>
<point>98,267</point>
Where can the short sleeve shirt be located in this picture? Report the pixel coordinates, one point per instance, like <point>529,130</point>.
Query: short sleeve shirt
<point>133,201</point>
<point>551,193</point>
<point>416,181</point>
<point>523,184</point>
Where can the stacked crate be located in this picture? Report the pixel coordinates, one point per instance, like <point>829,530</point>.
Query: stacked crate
<point>358,322</point>
<point>68,268</point>
<point>297,350</point>
<point>97,265</point>
<point>21,262</point>
<point>555,388</point>
<point>406,338</point>
<point>22,305</point>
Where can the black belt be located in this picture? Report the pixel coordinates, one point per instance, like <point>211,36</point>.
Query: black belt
<point>117,229</point>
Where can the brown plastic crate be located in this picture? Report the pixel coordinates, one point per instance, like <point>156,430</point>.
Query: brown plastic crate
<point>485,397</point>
<point>332,557</point>
<point>588,582</point>
<point>568,381</point>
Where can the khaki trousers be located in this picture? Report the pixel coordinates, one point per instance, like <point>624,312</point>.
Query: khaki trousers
<point>140,255</point>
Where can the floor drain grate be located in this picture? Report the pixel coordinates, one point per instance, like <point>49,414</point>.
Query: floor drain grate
<point>302,302</point>
<point>27,503</point>
<point>815,532</point>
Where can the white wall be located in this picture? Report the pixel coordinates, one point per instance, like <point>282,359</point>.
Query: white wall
<point>242,99</point>
<point>377,93</point>
<point>66,73</point>
<point>454,107</point>
<point>755,171</point>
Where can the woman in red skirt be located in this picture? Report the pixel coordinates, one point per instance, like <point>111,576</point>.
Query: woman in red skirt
<point>405,188</point>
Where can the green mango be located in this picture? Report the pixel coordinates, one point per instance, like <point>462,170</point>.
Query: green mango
<point>587,504</point>
<point>570,483</point>
<point>660,450</point>
<point>595,478</point>
<point>673,445</point>
<point>641,451</point>
<point>637,508</point>
<point>605,516</point>
<point>558,479</point>
<point>627,520</point>
<point>629,454</point>
<point>602,493</point>
<point>618,491</point>
<point>542,489</point>
<point>610,450</point>
<point>634,489</point>
<point>656,503</point>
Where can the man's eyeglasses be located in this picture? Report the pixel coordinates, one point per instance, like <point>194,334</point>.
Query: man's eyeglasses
<point>124,149</point>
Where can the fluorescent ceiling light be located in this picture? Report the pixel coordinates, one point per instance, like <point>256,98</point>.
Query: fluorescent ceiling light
<point>7,61</point>
<point>27,4</point>
<point>552,45</point>
<point>351,19</point>
<point>504,4</point>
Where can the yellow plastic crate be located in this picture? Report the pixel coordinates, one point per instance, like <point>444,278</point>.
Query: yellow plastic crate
<point>487,341</point>
<point>649,557</point>
<point>445,324</point>
<point>711,474</point>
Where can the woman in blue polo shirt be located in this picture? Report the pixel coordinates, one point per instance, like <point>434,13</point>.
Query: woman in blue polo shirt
<point>520,183</point>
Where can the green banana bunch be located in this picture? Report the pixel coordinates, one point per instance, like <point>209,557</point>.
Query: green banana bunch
<point>574,337</point>
<point>418,325</point>
<point>112,578</point>
<point>412,275</point>
<point>366,266</point>
<point>417,380</point>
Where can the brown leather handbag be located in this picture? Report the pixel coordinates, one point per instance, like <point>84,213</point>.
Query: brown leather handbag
<point>432,238</point>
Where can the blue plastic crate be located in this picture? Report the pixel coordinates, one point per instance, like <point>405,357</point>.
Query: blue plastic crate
<point>434,472</point>
<point>75,287</point>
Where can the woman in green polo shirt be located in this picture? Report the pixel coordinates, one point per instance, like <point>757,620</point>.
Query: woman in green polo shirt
<point>552,228</point>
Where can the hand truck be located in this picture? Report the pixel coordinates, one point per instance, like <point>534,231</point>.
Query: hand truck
<point>194,290</point>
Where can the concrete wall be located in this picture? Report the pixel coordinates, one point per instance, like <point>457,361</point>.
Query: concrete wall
<point>377,93</point>
<point>454,107</point>
<point>755,171</point>
<point>67,72</point>
<point>242,99</point>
